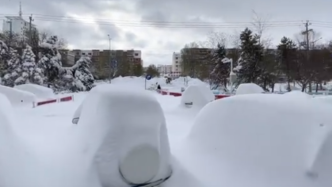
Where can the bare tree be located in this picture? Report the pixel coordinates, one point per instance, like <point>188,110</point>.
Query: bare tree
<point>260,25</point>
<point>45,34</point>
<point>217,38</point>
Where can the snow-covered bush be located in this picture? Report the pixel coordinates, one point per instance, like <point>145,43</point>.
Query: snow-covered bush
<point>30,72</point>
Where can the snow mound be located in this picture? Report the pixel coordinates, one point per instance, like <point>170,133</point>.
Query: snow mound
<point>249,88</point>
<point>11,162</point>
<point>39,91</point>
<point>297,95</point>
<point>17,97</point>
<point>261,140</point>
<point>197,96</point>
<point>127,136</point>
<point>6,115</point>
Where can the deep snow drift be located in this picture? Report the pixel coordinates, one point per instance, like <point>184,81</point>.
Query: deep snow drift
<point>37,90</point>
<point>18,97</point>
<point>125,135</point>
<point>260,140</point>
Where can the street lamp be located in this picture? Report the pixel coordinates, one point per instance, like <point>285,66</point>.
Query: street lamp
<point>232,75</point>
<point>110,57</point>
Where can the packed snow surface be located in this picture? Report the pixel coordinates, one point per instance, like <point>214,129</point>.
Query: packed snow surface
<point>254,140</point>
<point>39,91</point>
<point>18,97</point>
<point>249,88</point>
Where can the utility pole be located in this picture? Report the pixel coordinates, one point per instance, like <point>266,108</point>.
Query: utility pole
<point>306,33</point>
<point>30,30</point>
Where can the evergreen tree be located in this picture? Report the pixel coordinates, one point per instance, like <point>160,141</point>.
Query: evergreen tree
<point>287,58</point>
<point>84,80</point>
<point>50,61</point>
<point>270,70</point>
<point>152,70</point>
<point>221,70</point>
<point>137,69</point>
<point>248,69</point>
<point>13,68</point>
<point>30,72</point>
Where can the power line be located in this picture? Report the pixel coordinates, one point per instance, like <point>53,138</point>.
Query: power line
<point>161,24</point>
<point>166,24</point>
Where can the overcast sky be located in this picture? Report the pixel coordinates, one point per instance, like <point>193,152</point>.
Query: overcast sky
<point>151,25</point>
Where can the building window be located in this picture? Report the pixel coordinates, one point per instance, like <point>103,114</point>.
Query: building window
<point>176,58</point>
<point>136,54</point>
<point>83,53</point>
<point>176,66</point>
<point>89,53</point>
<point>176,61</point>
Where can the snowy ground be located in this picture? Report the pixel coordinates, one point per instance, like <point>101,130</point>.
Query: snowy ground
<point>46,130</point>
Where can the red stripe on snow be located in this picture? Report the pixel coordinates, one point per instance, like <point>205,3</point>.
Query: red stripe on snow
<point>46,102</point>
<point>221,96</point>
<point>65,99</point>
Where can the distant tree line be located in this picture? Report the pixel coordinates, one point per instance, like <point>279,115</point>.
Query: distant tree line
<point>299,61</point>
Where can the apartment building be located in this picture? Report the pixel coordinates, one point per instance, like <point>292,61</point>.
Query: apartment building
<point>165,70</point>
<point>101,59</point>
<point>176,64</point>
<point>16,25</point>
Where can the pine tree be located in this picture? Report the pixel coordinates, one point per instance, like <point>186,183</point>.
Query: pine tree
<point>84,80</point>
<point>287,57</point>
<point>30,72</point>
<point>13,68</point>
<point>152,71</point>
<point>137,69</point>
<point>248,69</point>
<point>221,70</point>
<point>50,61</point>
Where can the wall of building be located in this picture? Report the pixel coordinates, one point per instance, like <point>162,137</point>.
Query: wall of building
<point>18,25</point>
<point>176,64</point>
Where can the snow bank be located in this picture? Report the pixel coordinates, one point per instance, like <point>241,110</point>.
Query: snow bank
<point>249,88</point>
<point>126,135</point>
<point>39,91</point>
<point>261,140</point>
<point>197,96</point>
<point>12,158</point>
<point>17,97</point>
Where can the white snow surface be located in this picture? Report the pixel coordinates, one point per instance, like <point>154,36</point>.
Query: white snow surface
<point>18,97</point>
<point>249,88</point>
<point>254,140</point>
<point>39,91</point>
<point>198,95</point>
<point>261,140</point>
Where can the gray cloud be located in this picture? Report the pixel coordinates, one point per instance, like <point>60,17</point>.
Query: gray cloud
<point>162,39</point>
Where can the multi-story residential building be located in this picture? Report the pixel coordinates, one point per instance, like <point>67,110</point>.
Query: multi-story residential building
<point>16,25</point>
<point>101,59</point>
<point>165,70</point>
<point>176,64</point>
